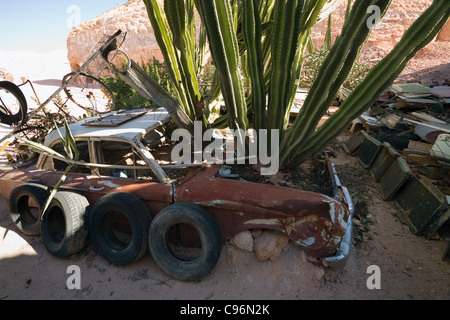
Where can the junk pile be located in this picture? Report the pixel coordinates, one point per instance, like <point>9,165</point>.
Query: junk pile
<point>404,140</point>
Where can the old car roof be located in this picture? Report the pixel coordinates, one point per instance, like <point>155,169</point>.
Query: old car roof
<point>123,125</point>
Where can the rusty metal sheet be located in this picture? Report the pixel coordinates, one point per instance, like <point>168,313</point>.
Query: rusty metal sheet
<point>313,221</point>
<point>11,179</point>
<point>155,194</point>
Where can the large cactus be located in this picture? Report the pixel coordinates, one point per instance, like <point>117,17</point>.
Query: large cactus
<point>425,29</point>
<point>219,21</point>
<point>260,44</point>
<point>174,30</point>
<point>332,74</point>
<point>252,31</point>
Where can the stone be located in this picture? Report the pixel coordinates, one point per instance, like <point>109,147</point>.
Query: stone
<point>399,17</point>
<point>256,233</point>
<point>230,255</point>
<point>243,241</point>
<point>269,244</point>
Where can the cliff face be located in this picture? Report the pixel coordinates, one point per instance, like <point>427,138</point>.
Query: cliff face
<point>132,17</point>
<point>400,16</point>
<point>142,46</point>
<point>445,33</point>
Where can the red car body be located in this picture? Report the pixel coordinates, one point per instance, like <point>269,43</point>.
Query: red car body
<point>320,224</point>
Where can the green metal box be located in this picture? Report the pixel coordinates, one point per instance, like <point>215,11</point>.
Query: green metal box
<point>383,161</point>
<point>395,177</point>
<point>368,151</point>
<point>424,207</point>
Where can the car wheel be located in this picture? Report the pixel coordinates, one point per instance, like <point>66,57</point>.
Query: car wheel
<point>118,228</point>
<point>25,206</point>
<point>64,229</point>
<point>185,241</point>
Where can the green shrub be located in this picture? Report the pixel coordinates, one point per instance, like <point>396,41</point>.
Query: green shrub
<point>314,61</point>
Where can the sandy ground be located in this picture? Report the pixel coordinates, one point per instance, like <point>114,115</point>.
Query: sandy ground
<point>410,267</point>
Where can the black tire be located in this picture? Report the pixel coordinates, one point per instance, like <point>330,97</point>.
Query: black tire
<point>79,89</point>
<point>64,228</point>
<point>117,215</point>
<point>26,214</point>
<point>12,117</point>
<point>209,235</point>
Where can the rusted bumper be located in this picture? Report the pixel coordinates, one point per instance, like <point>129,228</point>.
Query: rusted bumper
<point>339,260</point>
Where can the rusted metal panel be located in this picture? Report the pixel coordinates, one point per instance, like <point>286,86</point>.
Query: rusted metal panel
<point>11,179</point>
<point>6,186</point>
<point>155,194</point>
<point>313,221</point>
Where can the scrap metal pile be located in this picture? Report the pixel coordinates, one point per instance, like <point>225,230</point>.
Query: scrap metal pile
<point>404,140</point>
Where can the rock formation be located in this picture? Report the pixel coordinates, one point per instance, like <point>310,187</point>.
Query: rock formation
<point>400,16</point>
<point>142,46</point>
<point>132,17</point>
<point>444,35</point>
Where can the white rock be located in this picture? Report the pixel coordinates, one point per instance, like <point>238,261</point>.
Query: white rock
<point>243,241</point>
<point>256,233</point>
<point>269,244</point>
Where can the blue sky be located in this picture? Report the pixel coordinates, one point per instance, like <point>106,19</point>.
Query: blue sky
<point>42,26</point>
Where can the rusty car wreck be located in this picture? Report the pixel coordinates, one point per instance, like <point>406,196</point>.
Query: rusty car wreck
<point>130,202</point>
